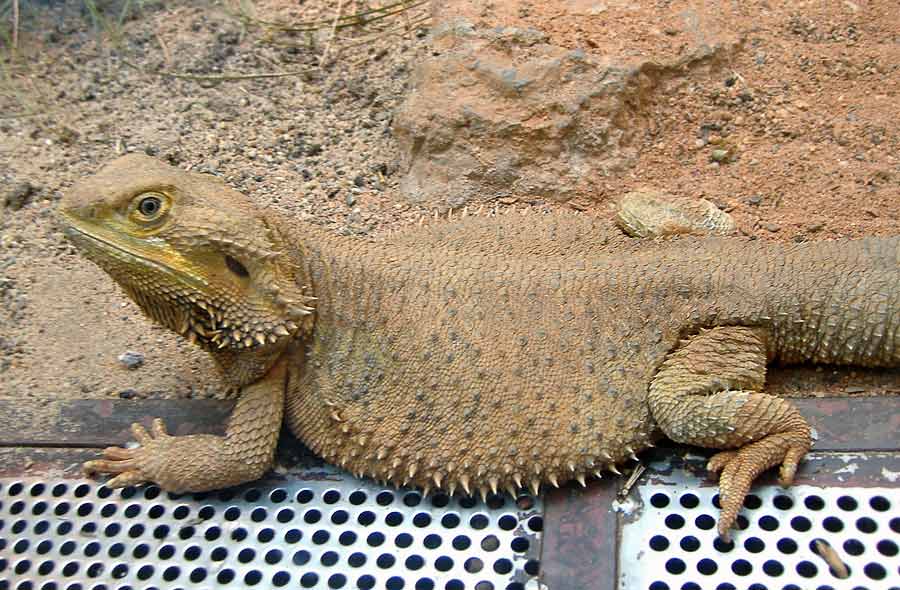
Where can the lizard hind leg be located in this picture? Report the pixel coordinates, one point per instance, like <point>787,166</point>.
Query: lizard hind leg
<point>706,393</point>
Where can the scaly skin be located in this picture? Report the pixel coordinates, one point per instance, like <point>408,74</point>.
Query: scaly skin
<point>484,354</point>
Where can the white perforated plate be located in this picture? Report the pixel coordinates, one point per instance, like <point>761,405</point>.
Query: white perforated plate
<point>332,534</point>
<point>670,543</point>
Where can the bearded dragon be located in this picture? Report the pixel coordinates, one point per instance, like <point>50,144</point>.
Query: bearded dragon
<point>489,353</point>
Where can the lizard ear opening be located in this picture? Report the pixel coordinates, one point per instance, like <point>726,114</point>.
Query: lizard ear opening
<point>236,267</point>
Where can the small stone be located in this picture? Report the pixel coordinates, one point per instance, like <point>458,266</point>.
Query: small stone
<point>351,200</point>
<point>359,181</point>
<point>772,227</point>
<point>507,200</point>
<point>719,156</point>
<point>815,227</point>
<point>128,394</point>
<point>131,359</point>
<point>754,200</point>
<point>19,195</point>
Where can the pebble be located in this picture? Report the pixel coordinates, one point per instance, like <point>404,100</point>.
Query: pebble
<point>131,359</point>
<point>128,394</point>
<point>815,227</point>
<point>719,155</point>
<point>754,200</point>
<point>772,227</point>
<point>19,195</point>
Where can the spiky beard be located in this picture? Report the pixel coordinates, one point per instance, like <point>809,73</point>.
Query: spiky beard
<point>208,326</point>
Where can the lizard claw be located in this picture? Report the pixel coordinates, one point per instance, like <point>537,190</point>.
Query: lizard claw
<point>741,466</point>
<point>126,463</point>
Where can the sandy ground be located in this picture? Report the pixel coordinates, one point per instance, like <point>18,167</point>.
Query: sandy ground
<point>808,110</point>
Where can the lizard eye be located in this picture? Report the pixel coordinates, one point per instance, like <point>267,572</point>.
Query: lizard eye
<point>149,206</point>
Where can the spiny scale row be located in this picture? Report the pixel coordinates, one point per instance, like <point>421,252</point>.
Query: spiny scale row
<point>401,472</point>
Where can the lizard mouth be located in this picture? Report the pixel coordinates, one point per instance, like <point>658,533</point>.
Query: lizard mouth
<point>100,250</point>
<point>172,306</point>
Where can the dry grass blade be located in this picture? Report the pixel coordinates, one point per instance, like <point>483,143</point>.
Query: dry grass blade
<point>355,19</point>
<point>400,30</point>
<point>15,23</point>
<point>212,77</point>
<point>337,15</point>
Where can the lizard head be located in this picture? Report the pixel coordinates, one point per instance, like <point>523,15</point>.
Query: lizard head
<point>196,256</point>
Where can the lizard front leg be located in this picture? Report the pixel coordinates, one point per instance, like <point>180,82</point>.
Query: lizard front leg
<point>204,462</point>
<point>706,393</point>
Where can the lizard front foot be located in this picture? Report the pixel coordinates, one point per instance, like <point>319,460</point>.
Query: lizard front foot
<point>741,466</point>
<point>176,463</point>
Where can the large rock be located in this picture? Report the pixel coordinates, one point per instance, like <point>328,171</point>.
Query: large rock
<point>501,112</point>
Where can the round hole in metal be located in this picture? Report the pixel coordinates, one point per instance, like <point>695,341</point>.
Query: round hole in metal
<point>375,539</point>
<point>293,536</point>
<point>432,541</point>
<point>887,548</point>
<point>280,579</point>
<point>659,543</point>
<point>807,569</point>
<point>768,523</point>
<point>659,500</point>
<point>787,546</point>
<point>674,521</point>
<point>847,503</point>
<point>675,566</point>
<point>502,566</point>
<point>689,543</point>
<point>414,562</point>
<point>741,567</point>
<point>814,502</point>
<point>773,568</point>
<point>329,558</point>
<point>866,525</point>
<point>393,519</point>
<point>339,516</point>
<point>707,567</point>
<point>723,546</point>
<point>689,501</point>
<point>875,571</point>
<point>705,522</point>
<point>800,524</point>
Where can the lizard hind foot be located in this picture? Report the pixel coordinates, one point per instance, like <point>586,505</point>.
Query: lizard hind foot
<point>738,468</point>
<point>125,463</point>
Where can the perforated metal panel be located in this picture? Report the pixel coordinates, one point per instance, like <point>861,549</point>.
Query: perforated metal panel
<point>329,533</point>
<point>799,538</point>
